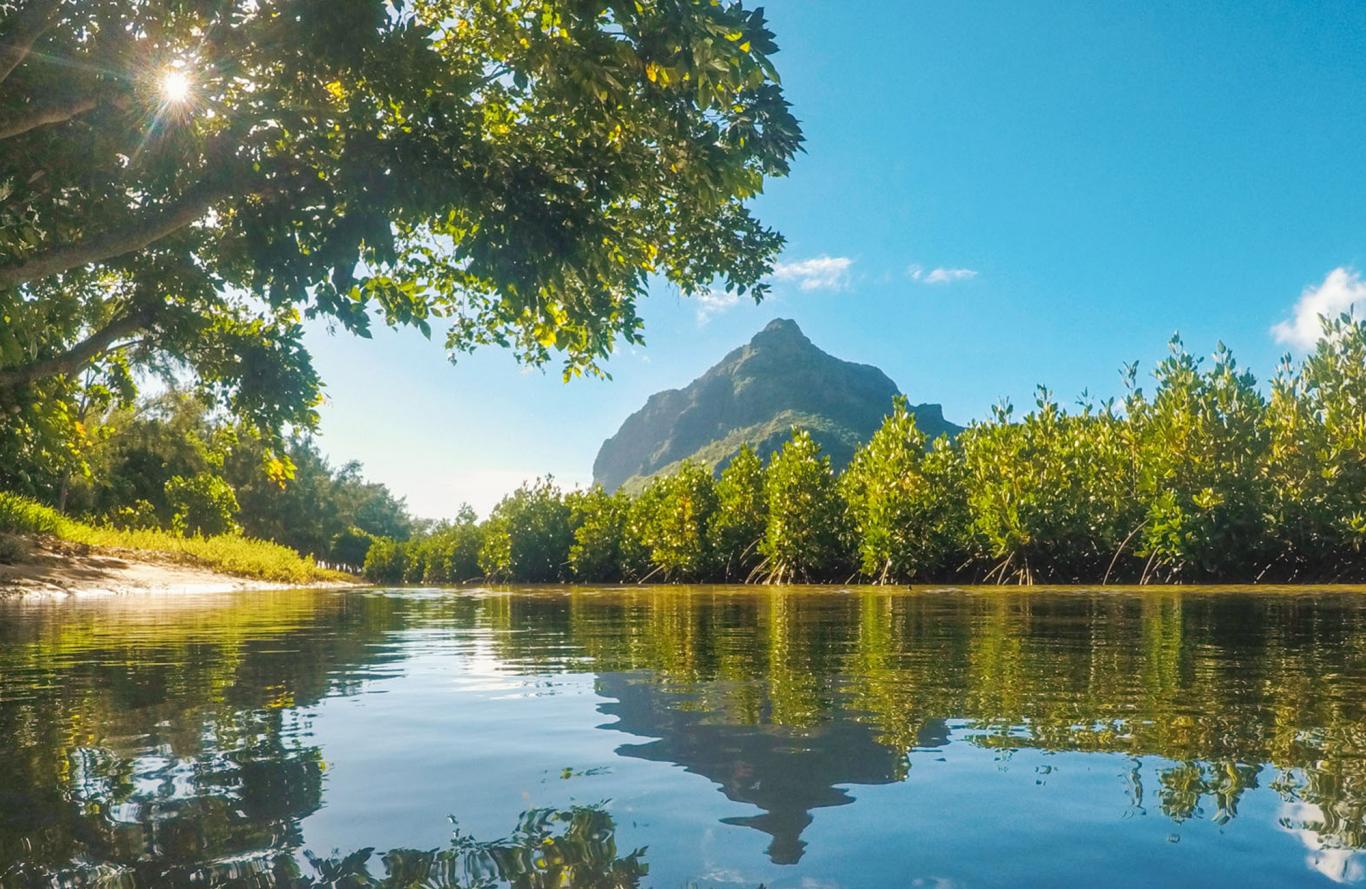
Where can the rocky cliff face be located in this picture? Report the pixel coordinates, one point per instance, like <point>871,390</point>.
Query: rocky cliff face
<point>754,396</point>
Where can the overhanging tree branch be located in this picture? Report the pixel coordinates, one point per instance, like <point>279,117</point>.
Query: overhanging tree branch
<point>23,31</point>
<point>126,239</point>
<point>40,117</point>
<point>79,355</point>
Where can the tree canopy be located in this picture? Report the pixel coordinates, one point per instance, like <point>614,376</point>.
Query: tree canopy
<point>183,182</point>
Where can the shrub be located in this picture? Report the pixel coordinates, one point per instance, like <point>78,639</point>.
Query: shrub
<point>1316,458</point>
<point>676,513</point>
<point>140,515</point>
<point>805,538</point>
<point>201,504</point>
<point>527,537</point>
<point>1203,443</point>
<point>902,505</point>
<point>599,523</point>
<point>741,515</point>
<point>452,552</point>
<point>1051,497</point>
<point>385,561</point>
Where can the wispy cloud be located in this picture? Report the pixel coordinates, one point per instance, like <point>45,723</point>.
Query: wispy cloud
<point>817,273</point>
<point>1341,291</point>
<point>939,275</point>
<point>713,302</point>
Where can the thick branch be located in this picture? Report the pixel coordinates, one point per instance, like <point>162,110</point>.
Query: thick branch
<point>107,245</point>
<point>23,31</point>
<point>78,356</point>
<point>40,117</point>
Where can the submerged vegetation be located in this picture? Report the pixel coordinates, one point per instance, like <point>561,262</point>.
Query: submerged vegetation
<point>1206,479</point>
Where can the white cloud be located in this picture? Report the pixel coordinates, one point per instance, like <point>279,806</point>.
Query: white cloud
<point>940,275</point>
<point>1338,864</point>
<point>714,302</point>
<point>817,273</point>
<point>1341,291</point>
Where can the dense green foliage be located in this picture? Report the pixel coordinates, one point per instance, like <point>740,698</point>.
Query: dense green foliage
<point>184,183</point>
<point>741,516</point>
<point>201,504</point>
<point>674,514</point>
<point>904,501</point>
<point>528,535</point>
<point>804,539</point>
<point>599,522</point>
<point>1207,479</point>
<point>170,462</point>
<point>448,553</point>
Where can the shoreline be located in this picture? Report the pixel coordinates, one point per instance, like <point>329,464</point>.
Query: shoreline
<point>56,570</point>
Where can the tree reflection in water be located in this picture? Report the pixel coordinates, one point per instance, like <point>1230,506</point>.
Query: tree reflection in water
<point>144,744</point>
<point>549,848</point>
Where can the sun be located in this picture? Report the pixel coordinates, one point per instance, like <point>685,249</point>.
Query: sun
<point>175,86</point>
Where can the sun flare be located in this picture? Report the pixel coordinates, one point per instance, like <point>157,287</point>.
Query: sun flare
<point>175,86</point>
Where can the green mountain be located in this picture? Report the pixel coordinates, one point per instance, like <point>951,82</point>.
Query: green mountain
<point>754,396</point>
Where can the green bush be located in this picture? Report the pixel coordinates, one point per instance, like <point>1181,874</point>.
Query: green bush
<point>741,516</point>
<point>1050,497</point>
<point>599,523</point>
<point>1316,459</point>
<point>385,561</point>
<point>528,535</point>
<point>905,504</point>
<point>676,512</point>
<point>1203,445</point>
<point>805,539</point>
<point>140,515</point>
<point>203,504</point>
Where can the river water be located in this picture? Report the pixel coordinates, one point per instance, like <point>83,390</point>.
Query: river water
<point>686,736</point>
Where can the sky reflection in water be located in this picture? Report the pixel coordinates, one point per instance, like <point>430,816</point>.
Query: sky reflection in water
<point>737,736</point>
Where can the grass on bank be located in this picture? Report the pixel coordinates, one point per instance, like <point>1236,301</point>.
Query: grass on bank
<point>228,553</point>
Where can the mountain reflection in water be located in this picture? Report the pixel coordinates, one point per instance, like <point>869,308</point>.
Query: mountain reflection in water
<point>784,773</point>
<point>278,738</point>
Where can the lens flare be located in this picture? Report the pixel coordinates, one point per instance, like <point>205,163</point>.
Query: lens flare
<point>175,86</point>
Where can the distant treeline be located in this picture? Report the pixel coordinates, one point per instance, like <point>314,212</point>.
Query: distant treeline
<point>1207,479</point>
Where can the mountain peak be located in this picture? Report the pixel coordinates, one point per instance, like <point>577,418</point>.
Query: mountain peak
<point>781,325</point>
<point>754,396</point>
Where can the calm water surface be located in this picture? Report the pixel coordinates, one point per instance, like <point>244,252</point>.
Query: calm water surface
<point>685,737</point>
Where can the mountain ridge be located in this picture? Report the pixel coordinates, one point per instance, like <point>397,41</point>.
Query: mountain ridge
<point>754,395</point>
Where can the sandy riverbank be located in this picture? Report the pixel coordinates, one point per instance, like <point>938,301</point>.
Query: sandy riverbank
<point>57,569</point>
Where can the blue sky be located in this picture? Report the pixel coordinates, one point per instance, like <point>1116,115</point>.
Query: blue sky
<point>993,195</point>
